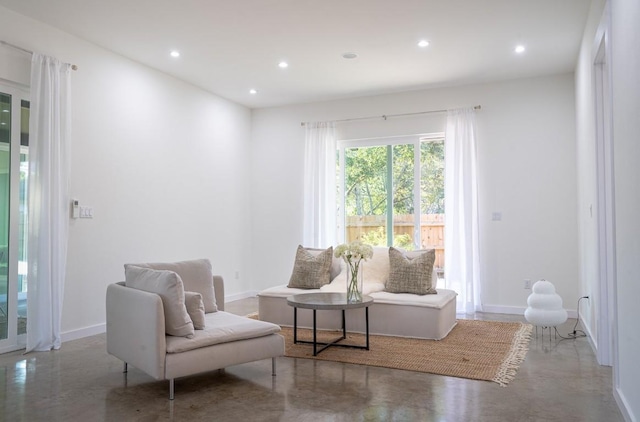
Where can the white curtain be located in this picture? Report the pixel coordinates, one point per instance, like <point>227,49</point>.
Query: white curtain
<point>48,200</point>
<point>319,223</point>
<point>462,272</point>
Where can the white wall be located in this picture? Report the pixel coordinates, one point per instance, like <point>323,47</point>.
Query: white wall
<point>164,164</point>
<point>527,171</point>
<point>625,15</point>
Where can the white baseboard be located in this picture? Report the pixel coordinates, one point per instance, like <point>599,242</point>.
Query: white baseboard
<point>238,296</point>
<point>498,309</point>
<point>68,336</point>
<point>84,332</point>
<point>623,405</point>
<point>11,348</point>
<point>517,310</point>
<point>591,338</point>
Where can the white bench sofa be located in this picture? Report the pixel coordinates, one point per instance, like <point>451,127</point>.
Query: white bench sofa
<point>430,316</point>
<point>136,334</point>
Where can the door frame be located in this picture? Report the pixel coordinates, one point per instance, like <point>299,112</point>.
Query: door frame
<point>606,341</point>
<point>13,341</point>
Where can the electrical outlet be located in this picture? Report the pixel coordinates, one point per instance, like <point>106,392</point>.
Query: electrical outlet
<point>527,283</point>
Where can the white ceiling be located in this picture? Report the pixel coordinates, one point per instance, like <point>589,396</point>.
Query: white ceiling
<point>228,47</point>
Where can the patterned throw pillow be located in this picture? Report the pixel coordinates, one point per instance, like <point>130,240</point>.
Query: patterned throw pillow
<point>311,270</point>
<point>411,274</point>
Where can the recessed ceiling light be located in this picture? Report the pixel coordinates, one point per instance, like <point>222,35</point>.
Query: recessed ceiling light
<point>253,91</point>
<point>423,43</point>
<point>349,55</point>
<point>283,65</point>
<point>519,49</point>
<point>175,53</point>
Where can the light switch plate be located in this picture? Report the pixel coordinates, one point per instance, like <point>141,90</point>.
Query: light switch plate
<point>86,212</point>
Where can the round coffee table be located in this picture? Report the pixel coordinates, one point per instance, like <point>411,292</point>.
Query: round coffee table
<point>331,302</point>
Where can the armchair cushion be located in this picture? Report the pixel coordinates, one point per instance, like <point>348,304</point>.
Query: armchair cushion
<point>196,275</point>
<point>195,309</point>
<point>168,286</point>
<point>222,327</point>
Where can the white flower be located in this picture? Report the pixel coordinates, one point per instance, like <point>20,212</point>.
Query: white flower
<point>340,250</point>
<point>354,251</point>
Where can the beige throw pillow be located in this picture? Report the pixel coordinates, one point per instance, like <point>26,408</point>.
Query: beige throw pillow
<point>168,286</point>
<point>196,275</point>
<point>195,309</point>
<point>411,273</point>
<point>311,271</point>
<point>335,262</point>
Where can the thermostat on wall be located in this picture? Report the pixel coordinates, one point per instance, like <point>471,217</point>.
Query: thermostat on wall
<point>75,208</point>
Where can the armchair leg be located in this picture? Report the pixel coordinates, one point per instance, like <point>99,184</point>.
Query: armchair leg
<point>273,367</point>
<point>171,389</point>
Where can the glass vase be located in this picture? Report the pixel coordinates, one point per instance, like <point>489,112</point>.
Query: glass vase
<point>354,281</point>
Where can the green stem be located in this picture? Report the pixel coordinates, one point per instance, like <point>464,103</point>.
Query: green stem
<point>353,293</point>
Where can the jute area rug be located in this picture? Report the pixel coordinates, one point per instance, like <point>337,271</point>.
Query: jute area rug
<point>480,350</point>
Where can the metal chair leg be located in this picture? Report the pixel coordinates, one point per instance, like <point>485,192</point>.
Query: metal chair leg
<point>171,389</point>
<point>126,368</point>
<point>273,367</point>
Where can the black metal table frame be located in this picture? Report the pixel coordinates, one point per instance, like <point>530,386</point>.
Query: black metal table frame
<point>331,343</point>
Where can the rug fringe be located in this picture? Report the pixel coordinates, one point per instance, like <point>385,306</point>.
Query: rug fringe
<point>519,348</point>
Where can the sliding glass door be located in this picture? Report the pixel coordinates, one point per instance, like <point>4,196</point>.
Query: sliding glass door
<point>14,161</point>
<point>391,192</point>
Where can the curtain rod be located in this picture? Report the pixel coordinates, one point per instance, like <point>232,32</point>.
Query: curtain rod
<point>24,50</point>
<point>386,116</point>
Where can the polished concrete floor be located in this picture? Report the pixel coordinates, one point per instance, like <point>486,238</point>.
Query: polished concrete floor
<point>559,381</point>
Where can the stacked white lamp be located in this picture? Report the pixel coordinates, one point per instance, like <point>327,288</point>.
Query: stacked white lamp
<point>545,306</point>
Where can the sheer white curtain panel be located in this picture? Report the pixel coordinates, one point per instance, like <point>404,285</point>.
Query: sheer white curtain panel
<point>462,272</point>
<point>319,221</point>
<point>48,200</point>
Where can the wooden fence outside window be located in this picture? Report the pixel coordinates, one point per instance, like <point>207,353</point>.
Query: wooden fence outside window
<point>364,227</point>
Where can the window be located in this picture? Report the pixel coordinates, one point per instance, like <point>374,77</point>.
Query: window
<point>391,192</point>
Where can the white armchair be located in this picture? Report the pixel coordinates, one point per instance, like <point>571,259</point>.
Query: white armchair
<point>136,335</point>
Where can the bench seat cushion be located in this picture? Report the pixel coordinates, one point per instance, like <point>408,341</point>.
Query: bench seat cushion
<point>339,285</point>
<point>221,327</point>
<point>437,301</point>
<point>333,287</point>
<point>284,291</point>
